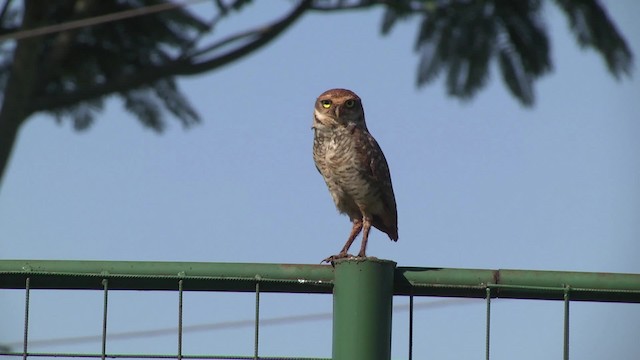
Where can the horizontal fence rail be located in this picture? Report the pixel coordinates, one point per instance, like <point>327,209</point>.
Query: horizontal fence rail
<point>302,278</point>
<point>364,306</point>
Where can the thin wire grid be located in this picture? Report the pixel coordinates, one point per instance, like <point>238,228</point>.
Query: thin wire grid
<point>105,283</point>
<point>566,325</point>
<point>257,326</point>
<point>323,316</point>
<point>103,355</point>
<point>411,327</point>
<point>163,356</point>
<point>27,288</point>
<point>488,328</point>
<point>565,354</point>
<point>180,297</point>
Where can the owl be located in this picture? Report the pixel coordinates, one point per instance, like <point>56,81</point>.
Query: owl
<point>353,167</point>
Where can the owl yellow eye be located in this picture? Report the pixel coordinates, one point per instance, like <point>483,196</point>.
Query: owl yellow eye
<point>349,103</point>
<point>326,103</point>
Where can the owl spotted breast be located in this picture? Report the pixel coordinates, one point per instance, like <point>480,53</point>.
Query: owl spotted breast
<point>354,167</point>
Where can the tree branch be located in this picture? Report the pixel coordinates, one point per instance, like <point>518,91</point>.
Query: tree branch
<point>20,86</point>
<point>180,66</point>
<point>414,6</point>
<point>76,24</point>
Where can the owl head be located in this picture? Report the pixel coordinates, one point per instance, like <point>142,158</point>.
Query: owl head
<point>338,107</point>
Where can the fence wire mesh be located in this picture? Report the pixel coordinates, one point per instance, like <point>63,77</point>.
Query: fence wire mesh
<point>111,278</point>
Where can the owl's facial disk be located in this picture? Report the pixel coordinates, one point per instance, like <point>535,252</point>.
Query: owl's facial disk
<point>338,108</point>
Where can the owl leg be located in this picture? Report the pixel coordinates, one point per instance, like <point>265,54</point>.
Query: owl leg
<point>365,237</point>
<point>355,230</point>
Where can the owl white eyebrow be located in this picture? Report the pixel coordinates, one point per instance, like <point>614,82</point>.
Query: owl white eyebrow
<point>354,169</point>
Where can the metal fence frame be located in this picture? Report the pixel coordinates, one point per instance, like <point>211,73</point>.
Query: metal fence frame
<point>366,285</point>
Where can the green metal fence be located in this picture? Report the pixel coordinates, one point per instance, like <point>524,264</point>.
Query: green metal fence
<point>363,292</point>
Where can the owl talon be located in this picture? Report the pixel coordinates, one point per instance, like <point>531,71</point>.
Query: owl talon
<point>332,258</point>
<point>353,167</point>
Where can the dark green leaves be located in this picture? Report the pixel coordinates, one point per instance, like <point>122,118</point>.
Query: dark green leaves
<point>138,58</point>
<point>460,38</point>
<point>78,61</point>
<point>593,29</point>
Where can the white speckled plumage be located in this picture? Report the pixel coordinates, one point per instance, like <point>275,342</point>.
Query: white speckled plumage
<point>353,167</point>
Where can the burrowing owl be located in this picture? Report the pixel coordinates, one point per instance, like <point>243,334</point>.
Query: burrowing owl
<point>353,166</point>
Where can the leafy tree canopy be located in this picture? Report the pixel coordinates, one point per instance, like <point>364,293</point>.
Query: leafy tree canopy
<point>66,57</point>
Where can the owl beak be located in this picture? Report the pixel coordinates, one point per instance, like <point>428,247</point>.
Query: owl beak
<point>337,111</point>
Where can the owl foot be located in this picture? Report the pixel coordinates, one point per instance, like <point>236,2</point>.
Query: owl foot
<point>333,258</point>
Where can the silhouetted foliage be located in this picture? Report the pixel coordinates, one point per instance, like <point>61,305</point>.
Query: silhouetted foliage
<point>593,29</point>
<point>90,56</point>
<point>460,38</point>
<point>67,57</point>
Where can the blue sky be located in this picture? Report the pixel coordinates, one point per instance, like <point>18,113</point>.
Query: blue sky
<point>479,184</point>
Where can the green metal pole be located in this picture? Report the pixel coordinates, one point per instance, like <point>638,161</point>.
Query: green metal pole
<point>362,306</point>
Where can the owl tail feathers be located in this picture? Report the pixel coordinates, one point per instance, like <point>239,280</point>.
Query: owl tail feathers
<point>393,235</point>
<point>389,229</point>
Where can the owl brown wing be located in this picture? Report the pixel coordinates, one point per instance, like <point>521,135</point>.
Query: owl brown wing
<point>374,163</point>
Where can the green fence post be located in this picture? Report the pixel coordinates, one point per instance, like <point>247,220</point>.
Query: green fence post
<point>362,307</point>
